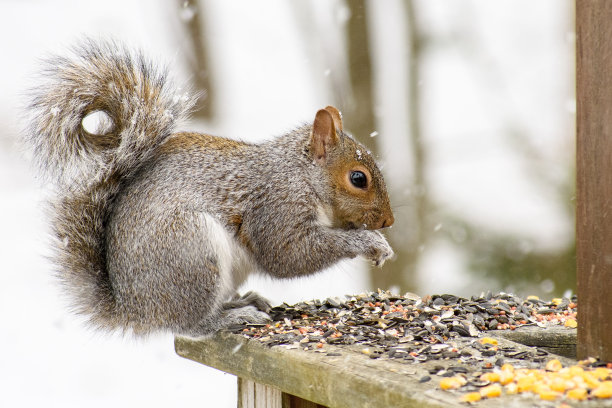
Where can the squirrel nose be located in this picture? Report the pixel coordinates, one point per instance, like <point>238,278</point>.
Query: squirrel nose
<point>387,222</point>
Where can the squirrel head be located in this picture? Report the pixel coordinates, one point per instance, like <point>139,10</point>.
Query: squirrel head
<point>359,194</point>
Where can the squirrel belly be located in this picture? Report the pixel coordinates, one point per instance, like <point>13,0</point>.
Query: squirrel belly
<point>155,230</point>
<point>172,256</point>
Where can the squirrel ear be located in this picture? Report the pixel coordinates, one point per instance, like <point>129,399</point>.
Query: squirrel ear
<point>323,135</point>
<point>336,115</point>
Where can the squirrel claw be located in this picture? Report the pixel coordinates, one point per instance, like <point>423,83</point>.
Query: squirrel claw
<point>383,257</point>
<point>380,250</point>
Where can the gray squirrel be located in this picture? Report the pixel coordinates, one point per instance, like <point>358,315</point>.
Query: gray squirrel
<point>155,229</point>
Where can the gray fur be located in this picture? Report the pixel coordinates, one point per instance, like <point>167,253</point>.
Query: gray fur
<point>155,230</point>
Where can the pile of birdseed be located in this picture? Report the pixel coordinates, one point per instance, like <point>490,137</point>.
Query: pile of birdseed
<point>422,326</point>
<point>446,331</point>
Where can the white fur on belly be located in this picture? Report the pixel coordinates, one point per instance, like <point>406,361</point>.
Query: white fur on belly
<point>234,262</point>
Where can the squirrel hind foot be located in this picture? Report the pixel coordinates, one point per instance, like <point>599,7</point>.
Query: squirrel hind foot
<point>227,319</point>
<point>244,315</point>
<point>249,299</point>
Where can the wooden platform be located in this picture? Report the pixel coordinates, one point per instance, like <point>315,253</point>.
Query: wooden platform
<point>556,339</point>
<point>341,376</point>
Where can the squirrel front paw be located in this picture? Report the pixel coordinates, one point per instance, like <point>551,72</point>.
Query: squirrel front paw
<point>378,249</point>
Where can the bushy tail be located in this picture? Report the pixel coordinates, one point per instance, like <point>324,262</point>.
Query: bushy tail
<point>138,109</point>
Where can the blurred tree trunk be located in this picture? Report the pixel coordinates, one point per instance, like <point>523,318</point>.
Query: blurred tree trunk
<point>189,13</point>
<point>415,225</point>
<point>407,235</point>
<point>359,111</point>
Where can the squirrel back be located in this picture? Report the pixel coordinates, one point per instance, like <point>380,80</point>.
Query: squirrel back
<point>137,107</point>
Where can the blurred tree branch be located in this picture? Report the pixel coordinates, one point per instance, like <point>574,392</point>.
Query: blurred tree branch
<point>197,60</point>
<point>359,109</point>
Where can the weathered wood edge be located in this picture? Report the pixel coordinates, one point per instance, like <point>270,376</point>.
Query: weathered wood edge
<point>349,380</point>
<point>555,339</point>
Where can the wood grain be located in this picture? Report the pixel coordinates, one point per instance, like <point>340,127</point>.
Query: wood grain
<point>555,339</point>
<point>594,177</point>
<point>346,379</point>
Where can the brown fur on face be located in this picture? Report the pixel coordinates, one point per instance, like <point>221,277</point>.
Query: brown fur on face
<point>340,154</point>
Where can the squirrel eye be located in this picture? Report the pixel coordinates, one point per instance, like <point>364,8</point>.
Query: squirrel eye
<point>358,179</point>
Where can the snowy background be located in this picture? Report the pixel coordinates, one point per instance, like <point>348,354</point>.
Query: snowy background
<point>497,64</point>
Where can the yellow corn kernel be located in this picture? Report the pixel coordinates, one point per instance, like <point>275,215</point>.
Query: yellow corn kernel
<point>591,380</point>
<point>548,395</point>
<point>556,301</point>
<point>506,377</point>
<point>576,370</point>
<point>601,373</point>
<point>540,388</point>
<point>533,297</point>
<point>526,384</point>
<point>564,373</point>
<point>537,374</point>
<point>511,388</point>
<point>507,367</point>
<point>572,323</point>
<point>488,340</point>
<point>579,383</point>
<point>452,383</point>
<point>490,377</point>
<point>554,365</point>
<point>571,384</point>
<point>603,391</point>
<point>577,394</point>
<point>559,384</point>
<point>471,397</point>
<point>491,391</point>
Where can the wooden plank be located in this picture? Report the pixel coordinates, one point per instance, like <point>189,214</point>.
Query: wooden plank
<point>255,395</point>
<point>594,176</point>
<point>555,339</point>
<point>348,378</point>
<point>252,394</point>
<point>345,381</point>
